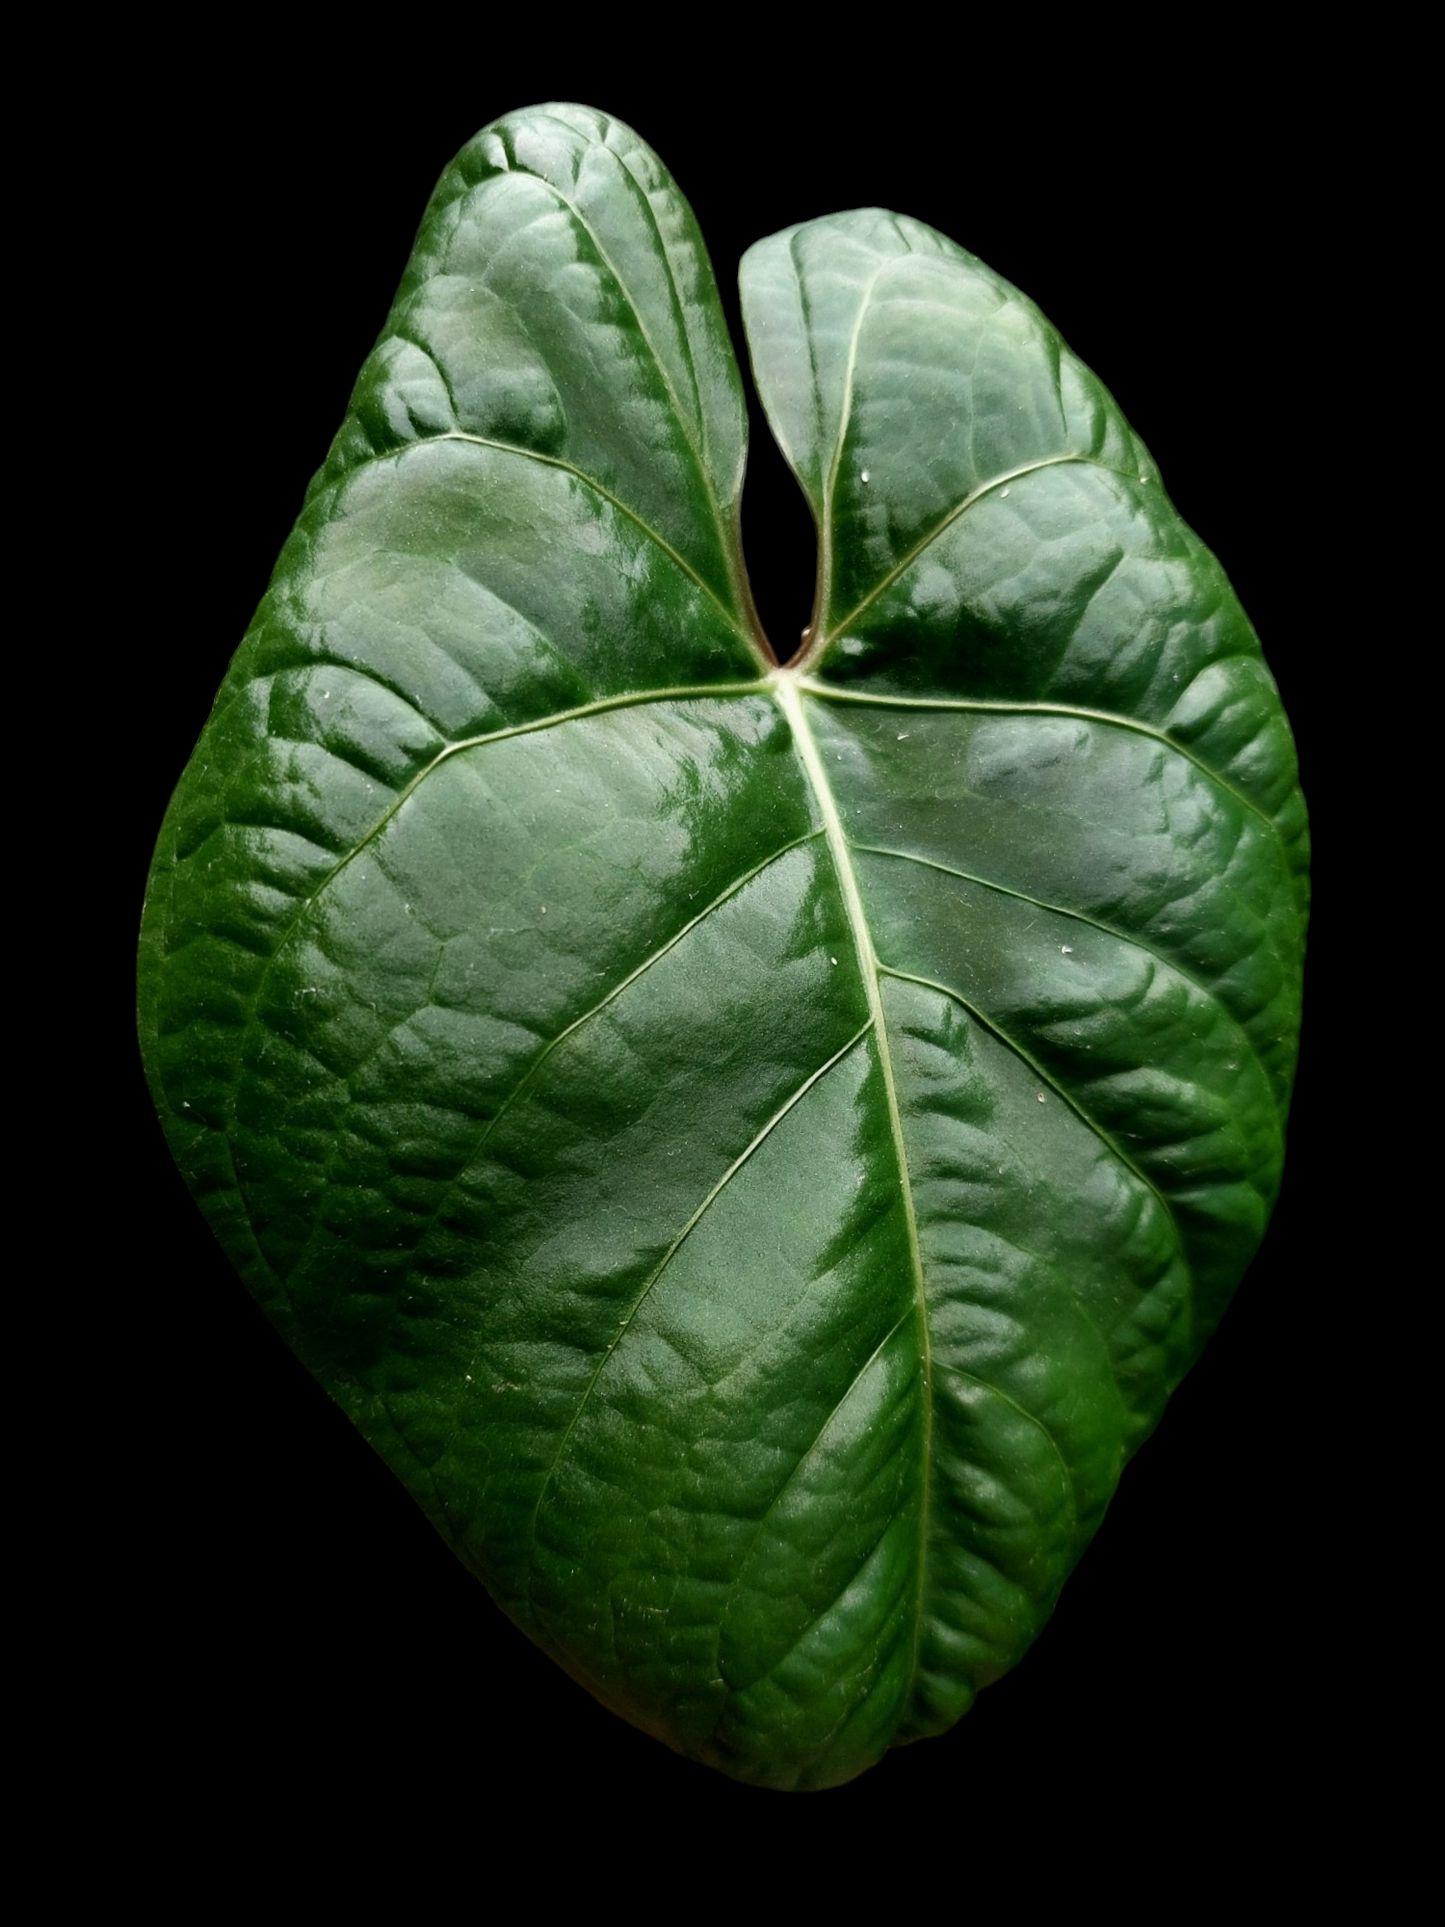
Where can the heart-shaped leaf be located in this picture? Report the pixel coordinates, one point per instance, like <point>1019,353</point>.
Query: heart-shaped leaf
<point>753,1147</point>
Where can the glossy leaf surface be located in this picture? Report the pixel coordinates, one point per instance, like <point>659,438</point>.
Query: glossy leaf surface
<point>754,1148</point>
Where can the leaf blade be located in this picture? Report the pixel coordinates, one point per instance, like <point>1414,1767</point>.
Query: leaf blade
<point>618,1067</point>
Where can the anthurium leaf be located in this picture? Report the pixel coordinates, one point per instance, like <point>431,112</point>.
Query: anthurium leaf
<point>754,1148</point>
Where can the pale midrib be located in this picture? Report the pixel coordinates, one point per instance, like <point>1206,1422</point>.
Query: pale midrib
<point>790,700</point>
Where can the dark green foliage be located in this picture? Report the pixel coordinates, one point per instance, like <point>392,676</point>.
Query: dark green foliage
<point>753,1148</point>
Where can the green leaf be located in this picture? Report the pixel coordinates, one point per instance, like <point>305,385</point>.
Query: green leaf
<point>754,1148</point>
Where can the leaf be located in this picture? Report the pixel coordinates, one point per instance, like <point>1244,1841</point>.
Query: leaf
<point>753,1148</point>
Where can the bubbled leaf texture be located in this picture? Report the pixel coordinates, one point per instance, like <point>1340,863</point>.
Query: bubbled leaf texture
<point>753,1148</point>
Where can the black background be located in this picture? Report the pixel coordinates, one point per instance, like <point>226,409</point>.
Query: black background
<point>286,1631</point>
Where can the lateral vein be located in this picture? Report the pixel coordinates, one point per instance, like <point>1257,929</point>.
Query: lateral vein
<point>588,481</point>
<point>625,983</point>
<point>1044,1077</point>
<point>1132,939</point>
<point>826,692</point>
<point>728,1175</point>
<point>635,699</point>
<point>976,495</point>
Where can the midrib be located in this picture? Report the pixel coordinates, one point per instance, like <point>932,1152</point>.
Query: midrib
<point>784,685</point>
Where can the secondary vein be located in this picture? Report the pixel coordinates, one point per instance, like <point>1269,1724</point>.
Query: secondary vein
<point>828,693</point>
